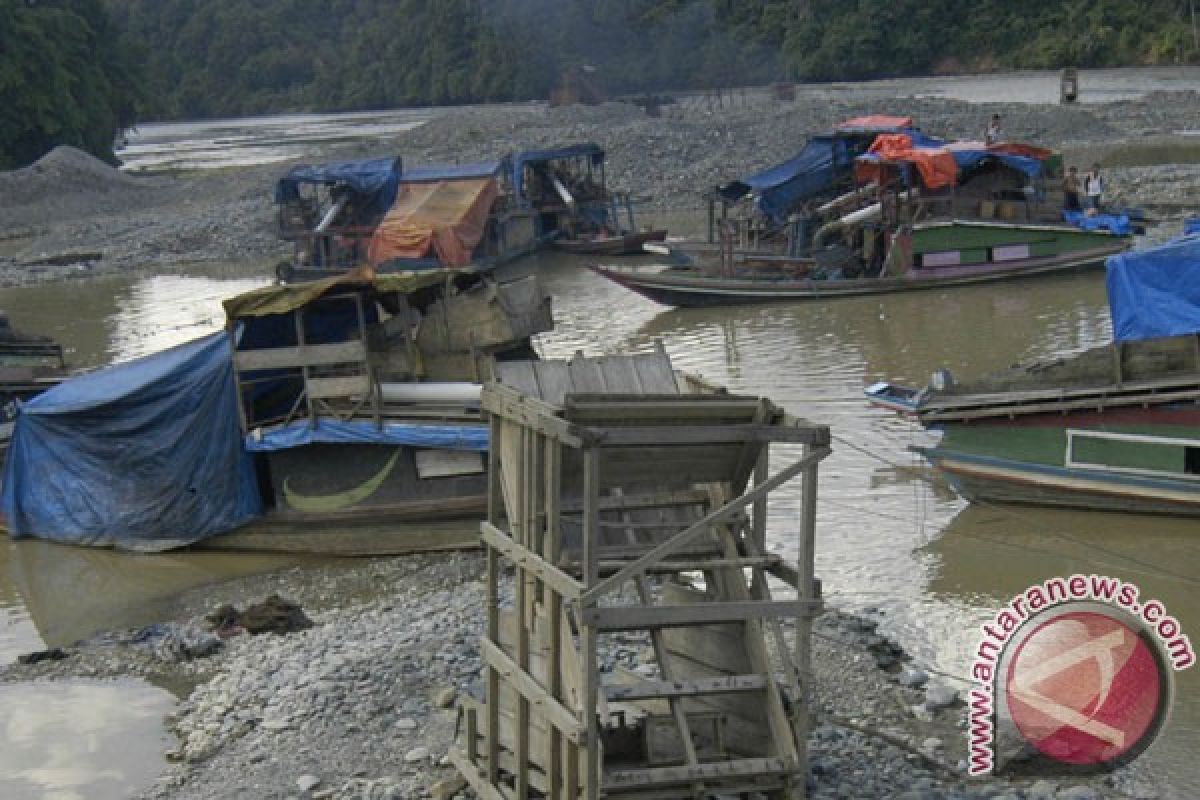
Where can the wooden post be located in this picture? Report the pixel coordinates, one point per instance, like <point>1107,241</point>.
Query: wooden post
<point>591,574</point>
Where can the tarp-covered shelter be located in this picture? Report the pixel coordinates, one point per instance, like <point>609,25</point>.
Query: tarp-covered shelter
<point>590,151</point>
<point>441,211</point>
<point>935,165</point>
<point>814,169</point>
<point>375,180</point>
<point>146,455</point>
<point>1156,292</point>
<point>971,155</point>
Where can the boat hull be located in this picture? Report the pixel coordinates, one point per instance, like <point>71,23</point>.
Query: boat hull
<point>687,288</point>
<point>626,245</point>
<point>1139,459</point>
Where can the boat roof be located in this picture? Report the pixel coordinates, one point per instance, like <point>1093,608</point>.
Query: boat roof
<point>589,150</point>
<point>377,178</point>
<point>1155,292</point>
<point>286,298</point>
<point>455,172</point>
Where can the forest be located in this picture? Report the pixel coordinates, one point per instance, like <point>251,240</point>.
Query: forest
<point>77,71</point>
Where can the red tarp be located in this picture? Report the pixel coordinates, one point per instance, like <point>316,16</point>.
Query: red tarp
<point>875,122</point>
<point>936,166</point>
<point>447,217</point>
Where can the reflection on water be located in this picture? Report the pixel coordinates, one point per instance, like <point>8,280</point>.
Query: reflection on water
<point>80,740</point>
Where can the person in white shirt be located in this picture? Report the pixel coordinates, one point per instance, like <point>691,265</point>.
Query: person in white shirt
<point>994,134</point>
<point>1093,187</point>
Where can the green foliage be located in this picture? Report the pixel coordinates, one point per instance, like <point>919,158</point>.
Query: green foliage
<point>66,77</point>
<point>230,57</point>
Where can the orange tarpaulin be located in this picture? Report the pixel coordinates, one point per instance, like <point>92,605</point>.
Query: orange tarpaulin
<point>875,122</point>
<point>936,166</point>
<point>447,217</point>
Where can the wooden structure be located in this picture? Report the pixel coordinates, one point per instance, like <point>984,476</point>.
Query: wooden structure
<point>615,474</point>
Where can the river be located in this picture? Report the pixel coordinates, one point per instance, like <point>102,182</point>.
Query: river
<point>892,539</point>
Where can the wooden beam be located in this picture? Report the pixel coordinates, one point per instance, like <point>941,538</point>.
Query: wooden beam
<point>742,767</point>
<point>311,355</point>
<point>627,618</point>
<point>703,434</point>
<point>598,590</point>
<point>558,715</point>
<point>505,402</point>
<point>692,687</point>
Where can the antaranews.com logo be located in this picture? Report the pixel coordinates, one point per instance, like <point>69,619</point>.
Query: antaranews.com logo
<point>1074,675</point>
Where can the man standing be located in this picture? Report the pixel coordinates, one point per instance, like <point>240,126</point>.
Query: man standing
<point>1093,187</point>
<point>1070,187</point>
<point>993,134</point>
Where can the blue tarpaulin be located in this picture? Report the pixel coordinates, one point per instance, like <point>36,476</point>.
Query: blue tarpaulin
<point>1156,292</point>
<point>1115,223</point>
<point>453,172</point>
<point>374,178</point>
<point>593,152</point>
<point>145,455</point>
<point>1192,226</point>
<point>809,172</point>
<point>332,431</point>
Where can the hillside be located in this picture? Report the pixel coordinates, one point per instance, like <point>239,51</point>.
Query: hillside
<point>232,57</point>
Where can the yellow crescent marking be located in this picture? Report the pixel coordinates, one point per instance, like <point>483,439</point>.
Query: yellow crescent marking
<point>317,504</point>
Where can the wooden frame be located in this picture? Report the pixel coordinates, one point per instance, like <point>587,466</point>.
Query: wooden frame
<point>578,524</point>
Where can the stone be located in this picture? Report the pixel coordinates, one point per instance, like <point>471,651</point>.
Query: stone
<point>445,698</point>
<point>913,678</point>
<point>1078,793</point>
<point>939,696</point>
<point>931,744</point>
<point>306,783</point>
<point>1042,790</point>
<point>416,754</point>
<point>447,787</point>
<point>406,724</point>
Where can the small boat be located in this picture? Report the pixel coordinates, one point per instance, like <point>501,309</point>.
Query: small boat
<point>1114,428</point>
<point>477,216</point>
<point>625,244</point>
<point>339,416</point>
<point>925,214</point>
<point>29,365</point>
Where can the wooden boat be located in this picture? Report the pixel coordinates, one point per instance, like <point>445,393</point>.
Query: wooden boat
<point>943,254</point>
<point>625,244</point>
<point>1115,428</point>
<point>925,214</point>
<point>476,216</point>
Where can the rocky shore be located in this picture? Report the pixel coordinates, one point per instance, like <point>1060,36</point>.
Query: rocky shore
<point>71,216</point>
<point>360,706</point>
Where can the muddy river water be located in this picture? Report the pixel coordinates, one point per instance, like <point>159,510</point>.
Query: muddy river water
<point>893,540</point>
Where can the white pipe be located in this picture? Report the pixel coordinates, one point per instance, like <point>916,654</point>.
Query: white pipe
<point>563,192</point>
<point>436,393</point>
<point>332,213</point>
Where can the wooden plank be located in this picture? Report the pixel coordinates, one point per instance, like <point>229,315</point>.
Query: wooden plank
<point>344,386</point>
<point>586,376</point>
<point>655,374</point>
<point>554,381</point>
<point>702,434</point>
<point>562,583</point>
<point>519,375</point>
<point>555,712</point>
<point>813,457</point>
<point>694,564</point>
<point>504,402</point>
<point>628,618</point>
<point>743,767</point>
<point>312,355</point>
<point>686,687</point>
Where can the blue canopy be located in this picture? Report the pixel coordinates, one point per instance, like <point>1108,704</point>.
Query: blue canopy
<point>808,173</point>
<point>969,159</point>
<point>145,455</point>
<point>454,172</point>
<point>376,178</point>
<point>333,431</point>
<point>1156,292</point>
<point>588,150</point>
<point>1191,226</point>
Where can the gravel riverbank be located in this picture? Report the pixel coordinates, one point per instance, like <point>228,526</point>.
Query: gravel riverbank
<point>360,705</point>
<point>69,216</point>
